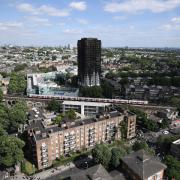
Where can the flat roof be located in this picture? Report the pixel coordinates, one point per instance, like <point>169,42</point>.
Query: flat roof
<point>38,125</point>
<point>177,141</point>
<point>85,103</point>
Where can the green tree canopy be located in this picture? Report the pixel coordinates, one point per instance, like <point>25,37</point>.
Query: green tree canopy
<point>11,118</point>
<point>107,89</point>
<point>17,115</point>
<point>17,83</point>
<point>20,67</point>
<point>101,154</point>
<point>58,119</point>
<point>2,131</point>
<point>143,120</point>
<point>53,105</point>
<point>1,95</point>
<point>10,150</point>
<point>142,145</point>
<point>94,91</point>
<point>123,129</point>
<point>117,154</point>
<point>70,114</point>
<point>173,167</point>
<point>27,168</point>
<point>4,117</point>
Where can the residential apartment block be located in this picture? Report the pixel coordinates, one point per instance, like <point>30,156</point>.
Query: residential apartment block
<point>89,62</point>
<point>50,142</point>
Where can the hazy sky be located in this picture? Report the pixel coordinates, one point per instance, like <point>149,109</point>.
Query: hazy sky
<point>134,23</point>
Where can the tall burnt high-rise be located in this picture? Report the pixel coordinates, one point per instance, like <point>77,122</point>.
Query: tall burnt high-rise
<point>89,62</point>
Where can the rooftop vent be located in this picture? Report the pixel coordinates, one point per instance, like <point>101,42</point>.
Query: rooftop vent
<point>51,131</point>
<point>37,131</point>
<point>44,135</point>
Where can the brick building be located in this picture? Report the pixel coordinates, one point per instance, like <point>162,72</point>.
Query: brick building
<point>50,142</point>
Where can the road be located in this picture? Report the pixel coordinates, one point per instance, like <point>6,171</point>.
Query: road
<point>53,173</point>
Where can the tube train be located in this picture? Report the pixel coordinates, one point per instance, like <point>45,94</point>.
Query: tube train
<point>69,98</point>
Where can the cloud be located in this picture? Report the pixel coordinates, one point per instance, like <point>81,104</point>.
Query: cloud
<point>166,27</point>
<point>38,20</point>
<point>72,31</point>
<point>134,6</point>
<point>43,9</point>
<point>81,5</point>
<point>119,17</point>
<point>174,24</point>
<point>132,27</point>
<point>82,21</point>
<point>10,25</point>
<point>175,20</point>
<point>25,7</point>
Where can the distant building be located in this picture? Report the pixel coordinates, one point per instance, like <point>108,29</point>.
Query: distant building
<point>45,84</point>
<point>89,62</point>
<point>48,142</point>
<point>175,149</point>
<point>141,166</point>
<point>84,108</point>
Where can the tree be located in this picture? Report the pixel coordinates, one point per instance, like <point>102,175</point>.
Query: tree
<point>117,154</point>
<point>20,67</point>
<point>17,115</point>
<point>1,95</point>
<point>94,91</point>
<point>175,101</point>
<point>173,167</point>
<point>107,89</point>
<point>101,154</point>
<point>10,150</point>
<point>4,117</point>
<point>123,129</point>
<point>17,83</point>
<point>70,114</point>
<point>53,105</point>
<point>27,168</point>
<point>164,143</point>
<point>58,119</point>
<point>143,121</point>
<point>164,124</point>
<point>142,145</point>
<point>2,131</point>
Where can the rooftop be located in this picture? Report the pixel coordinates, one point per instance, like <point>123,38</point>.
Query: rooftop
<point>85,103</point>
<point>177,141</point>
<point>41,131</point>
<point>143,164</point>
<point>95,173</point>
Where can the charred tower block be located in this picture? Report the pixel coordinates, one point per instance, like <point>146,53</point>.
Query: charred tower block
<point>89,62</point>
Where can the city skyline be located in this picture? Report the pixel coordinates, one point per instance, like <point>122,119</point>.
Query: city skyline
<point>133,23</point>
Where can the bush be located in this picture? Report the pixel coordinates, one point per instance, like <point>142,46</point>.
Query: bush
<point>102,154</point>
<point>27,168</point>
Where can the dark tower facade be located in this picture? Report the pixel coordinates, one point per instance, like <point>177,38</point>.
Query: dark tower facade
<point>89,62</point>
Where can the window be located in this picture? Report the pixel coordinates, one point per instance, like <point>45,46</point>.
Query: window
<point>158,176</point>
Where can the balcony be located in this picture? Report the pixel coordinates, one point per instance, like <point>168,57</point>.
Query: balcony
<point>45,160</point>
<point>44,150</point>
<point>43,145</point>
<point>91,132</point>
<point>45,164</point>
<point>44,155</point>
